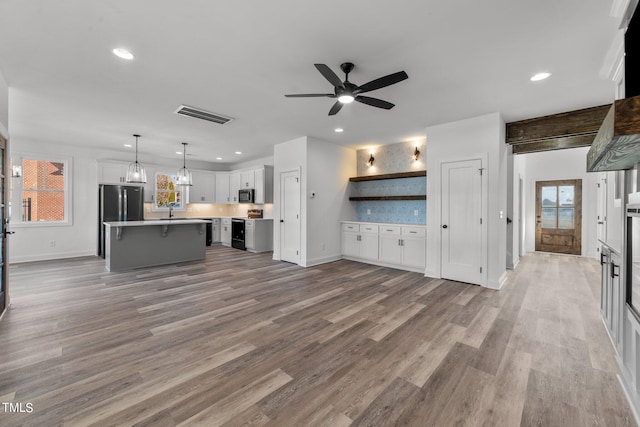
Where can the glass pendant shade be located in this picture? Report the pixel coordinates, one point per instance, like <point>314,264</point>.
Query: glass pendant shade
<point>184,175</point>
<point>135,172</point>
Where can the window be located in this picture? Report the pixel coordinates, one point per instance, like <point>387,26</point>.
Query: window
<point>42,191</point>
<point>168,193</point>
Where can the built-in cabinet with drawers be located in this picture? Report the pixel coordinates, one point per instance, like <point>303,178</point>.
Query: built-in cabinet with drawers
<point>225,231</point>
<point>612,294</point>
<point>393,245</point>
<point>215,230</point>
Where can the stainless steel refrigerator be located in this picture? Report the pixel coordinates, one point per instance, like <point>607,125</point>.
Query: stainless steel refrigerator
<point>118,203</point>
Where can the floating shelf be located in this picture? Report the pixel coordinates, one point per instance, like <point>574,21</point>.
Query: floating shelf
<point>411,174</point>
<point>369,198</point>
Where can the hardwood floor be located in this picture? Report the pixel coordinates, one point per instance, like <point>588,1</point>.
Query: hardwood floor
<point>243,340</point>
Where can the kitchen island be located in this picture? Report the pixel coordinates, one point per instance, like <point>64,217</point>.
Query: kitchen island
<point>131,244</point>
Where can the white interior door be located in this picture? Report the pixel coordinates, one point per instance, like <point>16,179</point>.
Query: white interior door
<point>290,216</point>
<point>462,251</point>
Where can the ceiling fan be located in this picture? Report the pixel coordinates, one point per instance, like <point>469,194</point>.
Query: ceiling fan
<point>347,92</point>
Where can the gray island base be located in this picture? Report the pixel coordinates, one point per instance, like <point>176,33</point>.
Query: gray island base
<point>134,244</point>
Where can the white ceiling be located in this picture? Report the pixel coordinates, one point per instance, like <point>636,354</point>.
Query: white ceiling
<point>239,58</point>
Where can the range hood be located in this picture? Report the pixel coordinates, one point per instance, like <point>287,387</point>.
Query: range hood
<point>617,144</point>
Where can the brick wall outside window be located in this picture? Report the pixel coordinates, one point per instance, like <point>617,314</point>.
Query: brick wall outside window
<point>43,187</point>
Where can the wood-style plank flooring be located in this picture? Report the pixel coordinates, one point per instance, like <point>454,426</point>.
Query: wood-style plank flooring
<point>244,340</point>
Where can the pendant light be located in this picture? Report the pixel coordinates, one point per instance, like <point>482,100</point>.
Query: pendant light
<point>135,172</point>
<point>184,176</point>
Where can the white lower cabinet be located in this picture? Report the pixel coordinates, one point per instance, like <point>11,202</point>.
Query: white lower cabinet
<point>360,241</point>
<point>391,245</point>
<point>258,235</point>
<point>225,231</point>
<point>612,295</point>
<point>215,230</point>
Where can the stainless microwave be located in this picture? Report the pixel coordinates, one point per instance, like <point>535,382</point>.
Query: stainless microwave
<point>246,195</point>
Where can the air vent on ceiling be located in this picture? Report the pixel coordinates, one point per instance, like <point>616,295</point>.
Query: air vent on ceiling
<point>185,110</point>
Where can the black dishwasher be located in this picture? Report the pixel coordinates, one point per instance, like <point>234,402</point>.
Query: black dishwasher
<point>237,233</point>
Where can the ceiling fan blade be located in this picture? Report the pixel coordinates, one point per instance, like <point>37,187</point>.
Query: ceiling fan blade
<point>383,82</point>
<point>336,107</point>
<point>329,75</point>
<point>375,102</point>
<point>311,95</point>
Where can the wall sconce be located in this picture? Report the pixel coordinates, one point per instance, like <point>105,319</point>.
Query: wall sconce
<point>16,171</point>
<point>416,154</point>
<point>371,160</point>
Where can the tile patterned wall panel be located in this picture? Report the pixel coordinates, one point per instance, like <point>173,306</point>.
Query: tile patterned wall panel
<point>405,186</point>
<point>396,211</point>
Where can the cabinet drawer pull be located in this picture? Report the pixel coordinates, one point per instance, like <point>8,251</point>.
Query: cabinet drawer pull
<point>613,270</point>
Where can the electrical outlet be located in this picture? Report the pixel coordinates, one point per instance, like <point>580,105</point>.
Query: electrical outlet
<point>368,211</point>
<point>415,212</point>
<point>324,247</point>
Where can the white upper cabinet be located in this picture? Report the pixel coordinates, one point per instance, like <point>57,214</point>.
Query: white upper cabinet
<point>222,188</point>
<point>111,172</point>
<point>263,179</point>
<point>234,186</point>
<point>203,189</point>
<point>247,179</point>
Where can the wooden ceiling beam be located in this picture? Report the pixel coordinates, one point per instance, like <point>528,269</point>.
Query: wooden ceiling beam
<point>554,144</point>
<point>557,131</point>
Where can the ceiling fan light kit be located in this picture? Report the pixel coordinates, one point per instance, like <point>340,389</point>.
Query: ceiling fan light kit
<point>347,92</point>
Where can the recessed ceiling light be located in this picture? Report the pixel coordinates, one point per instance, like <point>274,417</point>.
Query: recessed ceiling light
<point>540,76</point>
<point>122,53</point>
<point>128,145</point>
<point>338,130</point>
<point>178,152</point>
<point>218,158</point>
<point>238,152</point>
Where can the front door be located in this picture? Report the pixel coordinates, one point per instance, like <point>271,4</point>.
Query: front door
<point>290,216</point>
<point>559,216</point>
<point>462,222</point>
<point>4,194</point>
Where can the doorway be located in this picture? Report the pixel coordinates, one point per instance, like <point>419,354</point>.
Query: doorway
<point>559,216</point>
<point>290,216</point>
<point>463,254</point>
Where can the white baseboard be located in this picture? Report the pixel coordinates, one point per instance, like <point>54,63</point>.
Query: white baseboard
<point>323,260</point>
<point>434,274</point>
<point>497,285</point>
<point>385,264</point>
<point>49,256</point>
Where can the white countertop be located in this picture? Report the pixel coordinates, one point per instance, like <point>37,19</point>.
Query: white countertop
<point>404,224</point>
<point>155,222</point>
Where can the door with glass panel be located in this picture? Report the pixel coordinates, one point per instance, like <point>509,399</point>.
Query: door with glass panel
<point>559,216</point>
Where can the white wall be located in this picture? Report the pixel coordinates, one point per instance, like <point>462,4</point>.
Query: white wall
<point>264,161</point>
<point>479,137</point>
<point>558,165</point>
<point>33,242</point>
<point>287,156</point>
<point>325,169</point>
<point>4,107</point>
<point>329,168</point>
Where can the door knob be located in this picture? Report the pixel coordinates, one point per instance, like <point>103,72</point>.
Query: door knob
<point>445,226</point>
<point>6,233</point>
